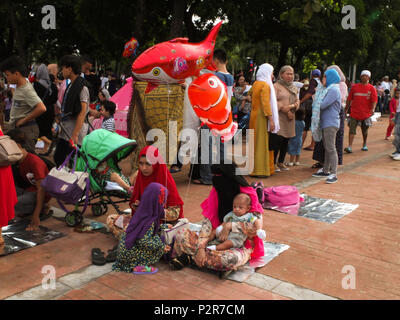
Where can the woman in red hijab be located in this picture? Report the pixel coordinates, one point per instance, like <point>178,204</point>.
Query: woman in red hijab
<point>152,168</point>
<point>8,196</point>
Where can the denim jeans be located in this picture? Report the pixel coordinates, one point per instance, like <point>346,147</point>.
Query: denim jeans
<point>396,141</point>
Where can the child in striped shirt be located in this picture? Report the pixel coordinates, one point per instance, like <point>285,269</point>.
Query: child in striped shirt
<point>107,110</point>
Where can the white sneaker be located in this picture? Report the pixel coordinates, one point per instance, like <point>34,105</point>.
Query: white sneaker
<point>290,164</point>
<point>397,157</point>
<point>297,164</point>
<point>332,179</point>
<point>394,154</point>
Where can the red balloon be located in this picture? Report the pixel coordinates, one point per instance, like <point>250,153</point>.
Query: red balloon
<point>175,60</point>
<point>209,98</point>
<point>130,48</point>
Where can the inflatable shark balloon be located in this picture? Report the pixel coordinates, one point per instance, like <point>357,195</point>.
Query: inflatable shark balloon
<point>175,60</point>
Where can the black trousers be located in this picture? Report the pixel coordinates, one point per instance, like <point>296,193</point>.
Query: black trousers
<point>280,146</point>
<point>63,149</point>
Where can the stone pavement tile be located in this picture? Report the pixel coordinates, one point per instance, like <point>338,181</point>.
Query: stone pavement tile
<point>294,292</point>
<point>261,294</point>
<point>80,294</point>
<point>262,281</point>
<point>104,292</point>
<point>164,292</point>
<point>86,275</point>
<point>41,293</point>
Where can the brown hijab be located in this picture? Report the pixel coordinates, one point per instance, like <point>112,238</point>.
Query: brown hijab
<point>288,85</point>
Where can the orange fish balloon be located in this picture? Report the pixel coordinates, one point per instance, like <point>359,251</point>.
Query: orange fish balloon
<point>130,48</point>
<point>208,96</point>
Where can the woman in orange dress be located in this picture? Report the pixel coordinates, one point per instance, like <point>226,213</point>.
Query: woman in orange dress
<point>8,196</point>
<point>264,119</point>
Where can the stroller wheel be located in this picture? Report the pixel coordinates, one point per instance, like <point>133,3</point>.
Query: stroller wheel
<point>73,218</point>
<point>97,209</point>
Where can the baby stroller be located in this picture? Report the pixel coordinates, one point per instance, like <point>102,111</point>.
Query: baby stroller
<point>97,147</point>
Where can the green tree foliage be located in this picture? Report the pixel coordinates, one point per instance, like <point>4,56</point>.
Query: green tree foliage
<point>303,33</point>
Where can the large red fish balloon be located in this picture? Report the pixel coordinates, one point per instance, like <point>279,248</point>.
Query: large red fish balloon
<point>130,48</point>
<point>209,98</point>
<point>174,61</point>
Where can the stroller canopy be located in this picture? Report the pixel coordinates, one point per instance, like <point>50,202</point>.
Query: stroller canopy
<point>101,145</point>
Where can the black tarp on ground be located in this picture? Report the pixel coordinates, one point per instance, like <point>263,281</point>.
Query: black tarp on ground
<point>17,239</point>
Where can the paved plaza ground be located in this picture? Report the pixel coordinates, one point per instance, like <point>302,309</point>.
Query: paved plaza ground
<point>368,240</point>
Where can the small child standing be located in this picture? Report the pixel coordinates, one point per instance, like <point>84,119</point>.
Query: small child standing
<point>295,143</point>
<point>240,213</point>
<point>393,107</point>
<point>107,110</point>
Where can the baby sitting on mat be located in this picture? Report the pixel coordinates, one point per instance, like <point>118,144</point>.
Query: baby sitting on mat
<point>236,238</point>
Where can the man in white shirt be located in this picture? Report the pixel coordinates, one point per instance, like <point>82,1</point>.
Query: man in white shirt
<point>386,84</point>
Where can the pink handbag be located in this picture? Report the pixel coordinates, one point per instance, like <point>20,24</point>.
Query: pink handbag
<point>282,195</point>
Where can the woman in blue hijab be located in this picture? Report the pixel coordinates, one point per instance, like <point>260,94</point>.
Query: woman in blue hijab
<point>330,106</point>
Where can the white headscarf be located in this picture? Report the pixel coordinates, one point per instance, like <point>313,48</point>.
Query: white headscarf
<point>264,73</point>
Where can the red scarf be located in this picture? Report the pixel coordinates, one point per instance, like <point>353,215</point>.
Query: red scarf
<point>160,175</point>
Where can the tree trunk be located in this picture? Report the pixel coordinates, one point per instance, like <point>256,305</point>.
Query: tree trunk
<point>17,35</point>
<point>283,55</point>
<point>139,18</point>
<point>177,18</point>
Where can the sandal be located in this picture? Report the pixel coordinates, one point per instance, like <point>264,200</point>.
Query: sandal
<point>317,165</point>
<point>200,181</point>
<point>44,216</point>
<point>180,262</point>
<point>225,274</point>
<point>175,169</point>
<point>98,258</point>
<point>112,254</point>
<point>144,270</point>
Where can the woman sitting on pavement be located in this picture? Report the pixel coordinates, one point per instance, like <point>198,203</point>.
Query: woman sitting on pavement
<point>140,247</point>
<point>190,246</point>
<point>147,174</point>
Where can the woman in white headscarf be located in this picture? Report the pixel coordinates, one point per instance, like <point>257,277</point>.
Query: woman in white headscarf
<point>264,118</point>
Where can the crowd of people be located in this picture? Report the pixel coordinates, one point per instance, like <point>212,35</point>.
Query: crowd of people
<point>280,110</point>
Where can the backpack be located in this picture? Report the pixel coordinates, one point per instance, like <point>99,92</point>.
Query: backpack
<point>9,151</point>
<point>282,196</point>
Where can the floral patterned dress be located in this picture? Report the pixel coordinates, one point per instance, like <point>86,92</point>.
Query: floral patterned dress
<point>117,229</point>
<point>188,242</point>
<point>145,252</point>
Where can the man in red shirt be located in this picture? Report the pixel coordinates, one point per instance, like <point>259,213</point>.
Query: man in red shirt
<point>28,175</point>
<point>362,99</point>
